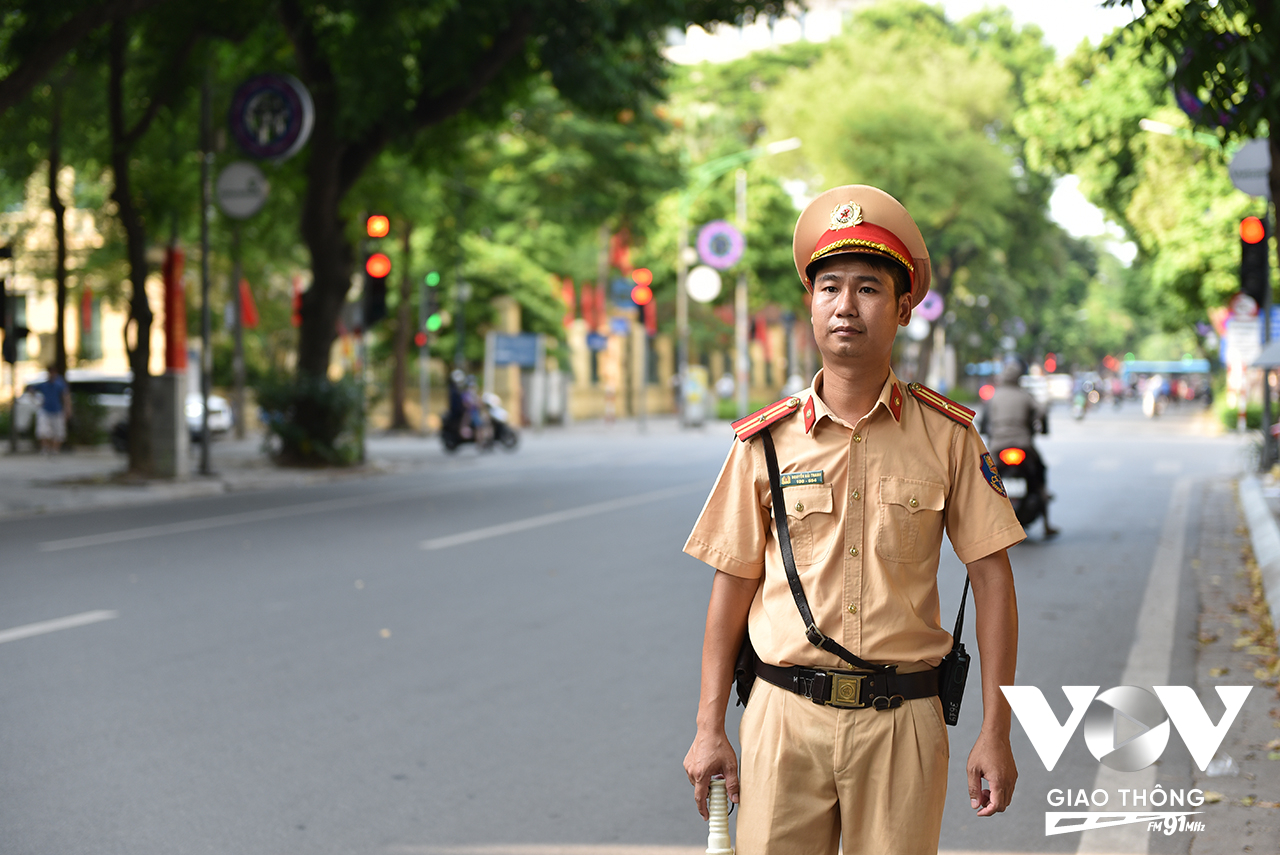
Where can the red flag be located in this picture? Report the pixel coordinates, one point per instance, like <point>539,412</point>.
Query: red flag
<point>86,311</point>
<point>248,309</point>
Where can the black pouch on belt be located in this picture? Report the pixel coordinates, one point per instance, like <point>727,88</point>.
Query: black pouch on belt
<point>954,669</point>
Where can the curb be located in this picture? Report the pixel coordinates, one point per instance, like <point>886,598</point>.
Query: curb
<point>1264,534</point>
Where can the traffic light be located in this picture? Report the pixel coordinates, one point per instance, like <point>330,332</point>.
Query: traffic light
<point>432,311</point>
<point>1050,363</point>
<point>1255,278</point>
<point>377,226</point>
<point>376,269</point>
<point>642,294</point>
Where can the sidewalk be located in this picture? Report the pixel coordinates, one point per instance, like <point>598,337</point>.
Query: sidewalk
<point>1237,570</point>
<point>86,478</point>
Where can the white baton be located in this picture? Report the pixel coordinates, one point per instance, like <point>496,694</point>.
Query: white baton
<point>718,842</point>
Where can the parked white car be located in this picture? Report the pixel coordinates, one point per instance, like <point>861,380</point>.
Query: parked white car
<point>108,390</point>
<point>114,392</point>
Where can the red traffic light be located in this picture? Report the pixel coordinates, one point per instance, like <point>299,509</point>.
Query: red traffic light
<point>641,295</point>
<point>1050,363</point>
<point>1252,230</point>
<point>986,391</point>
<point>378,226</point>
<point>642,276</point>
<point>378,266</point>
<point>420,339</point>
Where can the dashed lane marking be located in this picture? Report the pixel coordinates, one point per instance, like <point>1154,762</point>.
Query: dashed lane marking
<point>557,517</point>
<point>44,626</point>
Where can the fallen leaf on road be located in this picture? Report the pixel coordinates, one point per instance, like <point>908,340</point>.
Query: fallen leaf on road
<point>1211,797</point>
<point>1219,672</point>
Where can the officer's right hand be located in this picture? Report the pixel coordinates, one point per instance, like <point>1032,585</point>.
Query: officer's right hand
<point>711,754</point>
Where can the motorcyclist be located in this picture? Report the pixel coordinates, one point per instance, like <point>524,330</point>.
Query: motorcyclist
<point>1011,419</point>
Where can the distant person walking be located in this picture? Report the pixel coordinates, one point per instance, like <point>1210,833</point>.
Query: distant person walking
<point>51,418</point>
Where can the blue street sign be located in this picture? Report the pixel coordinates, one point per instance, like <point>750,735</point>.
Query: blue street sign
<point>595,341</point>
<point>619,326</point>
<point>520,349</point>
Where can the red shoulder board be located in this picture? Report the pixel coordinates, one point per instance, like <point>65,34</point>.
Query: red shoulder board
<point>949,408</point>
<point>749,426</point>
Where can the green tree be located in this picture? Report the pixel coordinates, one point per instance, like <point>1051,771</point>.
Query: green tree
<point>383,74</point>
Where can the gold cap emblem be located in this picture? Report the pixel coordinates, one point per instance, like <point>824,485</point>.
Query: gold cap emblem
<point>846,215</point>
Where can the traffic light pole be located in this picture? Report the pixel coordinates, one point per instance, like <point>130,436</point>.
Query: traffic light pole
<point>206,351</point>
<point>237,365</point>
<point>424,373</point>
<point>1268,440</point>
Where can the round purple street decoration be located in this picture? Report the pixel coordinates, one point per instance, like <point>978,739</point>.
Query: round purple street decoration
<point>271,116</point>
<point>930,307</point>
<point>720,245</point>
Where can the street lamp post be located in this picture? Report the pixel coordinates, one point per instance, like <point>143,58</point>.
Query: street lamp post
<point>701,177</point>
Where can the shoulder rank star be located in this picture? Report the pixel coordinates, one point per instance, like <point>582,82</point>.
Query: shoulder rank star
<point>749,426</point>
<point>946,406</point>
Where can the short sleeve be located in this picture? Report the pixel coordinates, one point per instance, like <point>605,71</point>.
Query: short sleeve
<point>731,530</point>
<point>980,519</point>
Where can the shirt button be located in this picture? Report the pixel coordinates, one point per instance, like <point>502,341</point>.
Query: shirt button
<point>853,610</point>
<point>856,495</point>
<point>799,507</point>
<point>853,550</point>
<point>913,502</point>
<point>857,437</point>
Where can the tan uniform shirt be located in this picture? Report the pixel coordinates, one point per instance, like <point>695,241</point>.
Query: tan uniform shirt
<point>866,522</point>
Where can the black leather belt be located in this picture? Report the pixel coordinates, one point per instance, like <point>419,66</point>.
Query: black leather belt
<point>852,690</point>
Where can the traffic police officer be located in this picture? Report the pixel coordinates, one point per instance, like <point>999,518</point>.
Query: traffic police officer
<point>873,472</point>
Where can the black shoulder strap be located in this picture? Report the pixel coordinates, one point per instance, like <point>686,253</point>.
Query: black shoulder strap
<point>811,631</point>
<point>964,597</point>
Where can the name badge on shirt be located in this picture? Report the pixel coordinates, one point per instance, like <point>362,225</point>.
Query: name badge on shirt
<point>796,479</point>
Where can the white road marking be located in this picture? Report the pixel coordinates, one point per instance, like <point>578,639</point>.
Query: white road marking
<point>206,523</point>
<point>557,517</point>
<point>1147,666</point>
<point>82,619</point>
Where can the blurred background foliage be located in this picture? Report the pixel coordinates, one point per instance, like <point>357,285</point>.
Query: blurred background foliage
<point>969,122</point>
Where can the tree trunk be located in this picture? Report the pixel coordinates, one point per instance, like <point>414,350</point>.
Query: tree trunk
<point>140,460</point>
<point>59,230</point>
<point>399,421</point>
<point>332,256</point>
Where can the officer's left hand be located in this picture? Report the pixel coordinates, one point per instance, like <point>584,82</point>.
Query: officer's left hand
<point>991,758</point>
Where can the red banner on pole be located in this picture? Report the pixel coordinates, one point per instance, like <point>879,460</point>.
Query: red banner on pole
<point>175,311</point>
<point>248,309</point>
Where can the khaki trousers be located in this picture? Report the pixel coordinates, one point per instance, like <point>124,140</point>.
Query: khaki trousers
<point>811,773</point>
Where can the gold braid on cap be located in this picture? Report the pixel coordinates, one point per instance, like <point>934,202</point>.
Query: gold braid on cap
<point>867,244</point>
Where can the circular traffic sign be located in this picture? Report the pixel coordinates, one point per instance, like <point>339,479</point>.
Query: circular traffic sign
<point>1250,169</point>
<point>702,284</point>
<point>931,306</point>
<point>271,116</point>
<point>720,244</point>
<point>241,190</point>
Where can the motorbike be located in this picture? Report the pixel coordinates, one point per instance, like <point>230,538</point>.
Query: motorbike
<point>456,431</point>
<point>1013,468</point>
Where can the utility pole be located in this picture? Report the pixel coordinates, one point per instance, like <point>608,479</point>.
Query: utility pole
<point>206,194</point>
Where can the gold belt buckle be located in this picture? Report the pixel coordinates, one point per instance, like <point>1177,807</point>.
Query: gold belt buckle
<point>846,691</point>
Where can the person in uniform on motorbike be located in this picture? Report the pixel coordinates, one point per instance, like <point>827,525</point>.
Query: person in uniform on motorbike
<point>1011,419</point>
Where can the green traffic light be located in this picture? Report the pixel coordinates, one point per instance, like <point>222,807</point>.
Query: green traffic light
<point>434,322</point>
<point>433,279</point>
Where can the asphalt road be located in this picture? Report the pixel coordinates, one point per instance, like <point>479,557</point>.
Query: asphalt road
<point>496,655</point>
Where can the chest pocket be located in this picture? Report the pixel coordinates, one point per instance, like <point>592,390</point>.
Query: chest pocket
<point>810,521</point>
<point>910,519</point>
